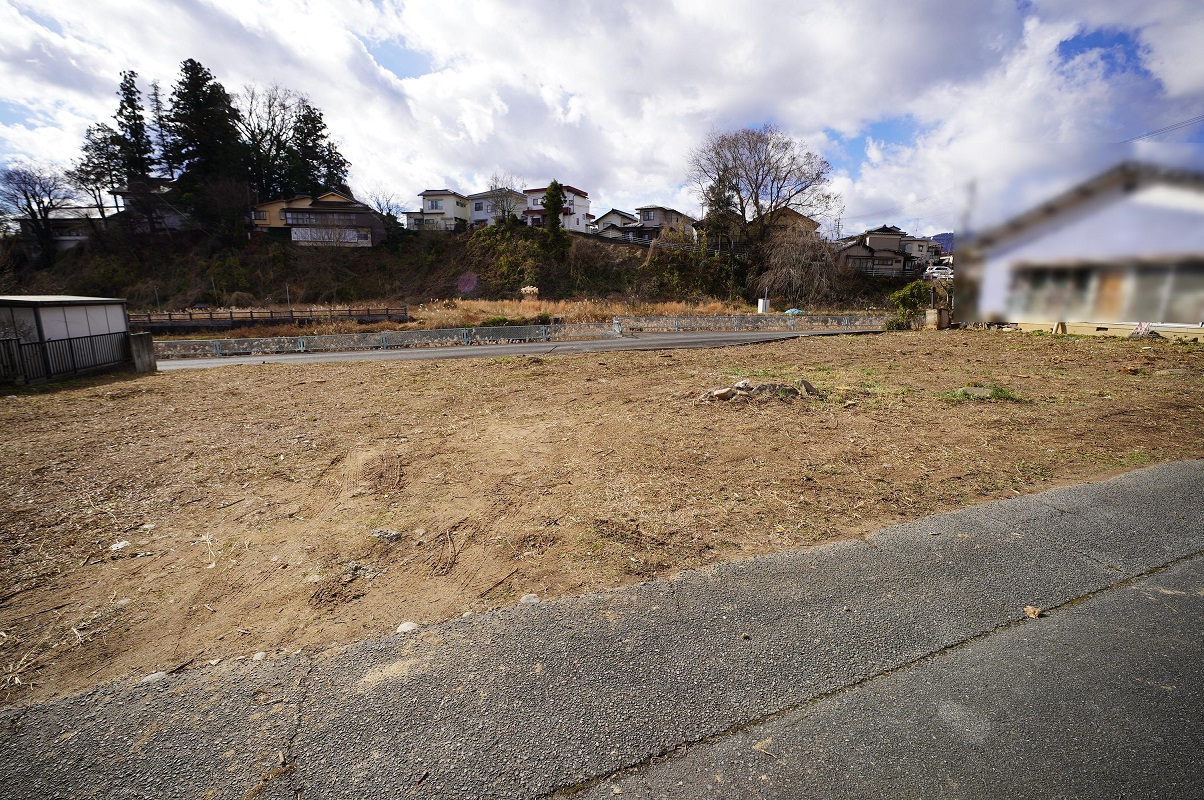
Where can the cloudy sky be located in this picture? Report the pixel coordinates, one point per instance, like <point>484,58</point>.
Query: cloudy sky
<point>909,102</point>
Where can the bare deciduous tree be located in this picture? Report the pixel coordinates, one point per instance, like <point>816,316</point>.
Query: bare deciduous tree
<point>502,195</point>
<point>759,172</point>
<point>386,203</point>
<point>36,193</point>
<point>801,268</point>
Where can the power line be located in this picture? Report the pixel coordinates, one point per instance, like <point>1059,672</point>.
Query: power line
<point>1173,127</point>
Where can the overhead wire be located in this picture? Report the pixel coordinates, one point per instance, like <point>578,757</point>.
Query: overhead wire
<point>1169,128</point>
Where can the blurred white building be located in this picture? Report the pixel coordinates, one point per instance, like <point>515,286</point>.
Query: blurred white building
<point>1124,247</point>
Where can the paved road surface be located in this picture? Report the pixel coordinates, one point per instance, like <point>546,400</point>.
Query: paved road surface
<point>641,341</point>
<point>900,666</point>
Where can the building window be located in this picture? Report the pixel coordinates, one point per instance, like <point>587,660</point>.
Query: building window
<point>673,218</point>
<point>883,262</point>
<point>478,207</point>
<point>434,205</point>
<point>648,216</point>
<point>261,215</point>
<point>364,236</point>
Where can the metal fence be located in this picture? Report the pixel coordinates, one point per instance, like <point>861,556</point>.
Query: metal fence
<point>33,362</point>
<point>385,340</point>
<point>232,318</point>
<point>750,322</point>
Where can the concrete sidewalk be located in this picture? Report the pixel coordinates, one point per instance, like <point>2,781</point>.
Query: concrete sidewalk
<point>899,666</point>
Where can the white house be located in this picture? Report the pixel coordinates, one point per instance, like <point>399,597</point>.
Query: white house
<point>441,210</point>
<point>574,216</point>
<point>491,206</point>
<point>1126,246</point>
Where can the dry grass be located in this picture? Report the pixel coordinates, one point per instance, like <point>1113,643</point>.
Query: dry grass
<point>249,495</point>
<point>469,313</point>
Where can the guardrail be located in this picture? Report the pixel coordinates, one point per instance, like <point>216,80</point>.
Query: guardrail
<point>385,340</point>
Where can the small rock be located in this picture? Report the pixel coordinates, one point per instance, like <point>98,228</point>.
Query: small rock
<point>260,656</point>
<point>150,526</point>
<point>115,546</point>
<point>745,636</point>
<point>407,627</point>
<point>1032,612</point>
<point>386,534</point>
<point>722,393</point>
<point>846,609</point>
<point>10,397</point>
<point>466,614</point>
<point>974,391</point>
<point>529,599</point>
<point>123,602</point>
<point>1170,372</point>
<point>154,677</point>
<point>213,662</point>
<point>743,386</point>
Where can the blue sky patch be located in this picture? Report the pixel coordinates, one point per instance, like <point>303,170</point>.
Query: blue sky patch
<point>850,153</point>
<point>1118,50</point>
<point>402,62</point>
<point>13,114</point>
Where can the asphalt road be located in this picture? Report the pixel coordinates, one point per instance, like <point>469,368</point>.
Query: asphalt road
<point>900,666</point>
<point>688,340</point>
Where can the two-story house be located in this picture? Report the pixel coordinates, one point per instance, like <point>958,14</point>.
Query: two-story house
<point>492,206</point>
<point>922,252</point>
<point>440,210</point>
<point>609,223</point>
<point>876,252</point>
<point>663,218</point>
<point>333,219</point>
<point>574,216</point>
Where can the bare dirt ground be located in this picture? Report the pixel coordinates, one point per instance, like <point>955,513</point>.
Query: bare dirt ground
<point>249,496</point>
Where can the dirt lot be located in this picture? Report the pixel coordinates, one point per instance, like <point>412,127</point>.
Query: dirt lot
<point>249,495</point>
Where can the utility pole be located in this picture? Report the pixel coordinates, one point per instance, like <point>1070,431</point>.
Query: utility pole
<point>971,194</point>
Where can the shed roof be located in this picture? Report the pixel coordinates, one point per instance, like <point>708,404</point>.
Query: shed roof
<point>57,300</point>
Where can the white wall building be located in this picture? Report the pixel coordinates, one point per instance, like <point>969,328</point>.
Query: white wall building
<point>574,216</point>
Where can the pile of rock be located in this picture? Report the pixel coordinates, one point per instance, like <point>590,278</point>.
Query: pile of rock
<point>744,391</point>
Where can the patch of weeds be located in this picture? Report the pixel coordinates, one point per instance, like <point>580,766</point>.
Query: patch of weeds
<point>982,394</point>
<point>780,373</point>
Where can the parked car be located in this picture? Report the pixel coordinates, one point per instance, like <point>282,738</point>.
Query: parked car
<point>939,273</point>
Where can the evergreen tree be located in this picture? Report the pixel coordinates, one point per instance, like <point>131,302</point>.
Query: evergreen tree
<point>98,170</point>
<point>203,127</point>
<point>160,131</point>
<point>553,205</point>
<point>137,153</point>
<point>315,163</point>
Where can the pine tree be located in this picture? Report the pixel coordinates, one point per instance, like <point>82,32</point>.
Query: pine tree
<point>203,127</point>
<point>553,205</point>
<point>315,164</point>
<point>137,153</point>
<point>159,128</point>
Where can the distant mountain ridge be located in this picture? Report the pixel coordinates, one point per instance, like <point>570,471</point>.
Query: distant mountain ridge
<point>945,240</point>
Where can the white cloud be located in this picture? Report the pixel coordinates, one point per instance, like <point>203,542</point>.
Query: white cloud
<point>612,97</point>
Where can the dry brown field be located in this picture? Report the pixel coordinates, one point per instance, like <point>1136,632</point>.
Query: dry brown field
<point>248,497</point>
